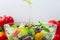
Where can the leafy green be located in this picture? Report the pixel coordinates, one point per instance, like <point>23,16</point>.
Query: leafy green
<point>14,27</point>
<point>1,29</point>
<point>23,32</point>
<point>43,26</point>
<point>31,31</point>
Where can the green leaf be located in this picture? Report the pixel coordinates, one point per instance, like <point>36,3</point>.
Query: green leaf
<point>1,29</point>
<point>14,26</point>
<point>23,32</point>
<point>31,31</point>
<point>43,26</point>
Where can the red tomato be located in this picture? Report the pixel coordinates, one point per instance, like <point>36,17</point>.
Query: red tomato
<point>6,20</point>
<point>58,24</point>
<point>1,21</point>
<point>53,21</point>
<point>3,36</point>
<point>57,34</point>
<point>57,37</point>
<point>9,20</point>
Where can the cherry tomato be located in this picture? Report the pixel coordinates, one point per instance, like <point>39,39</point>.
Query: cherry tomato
<point>3,36</point>
<point>6,20</point>
<point>57,34</point>
<point>53,21</point>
